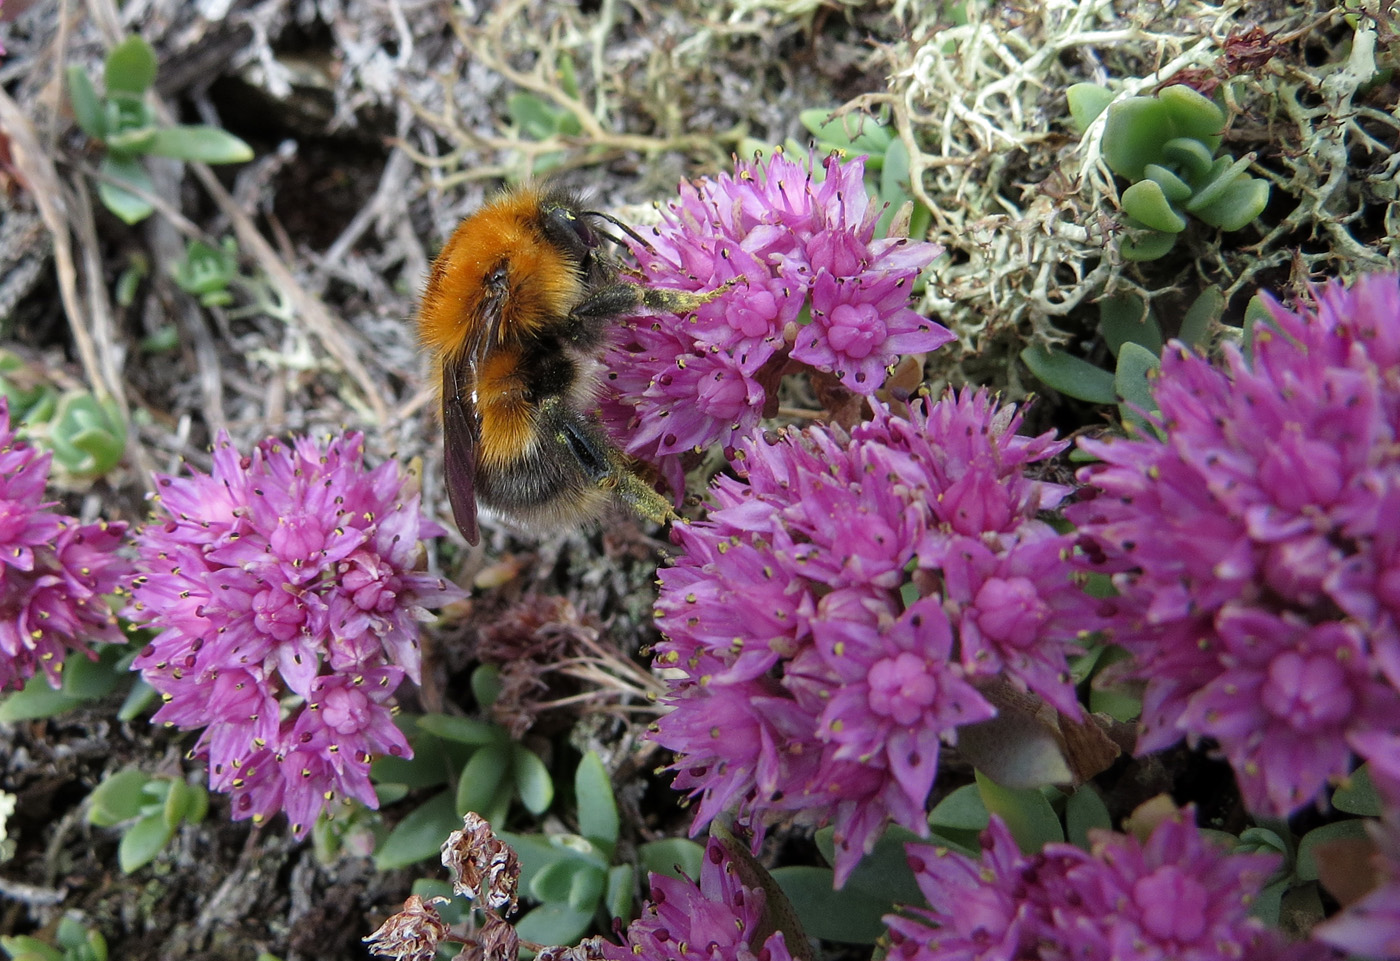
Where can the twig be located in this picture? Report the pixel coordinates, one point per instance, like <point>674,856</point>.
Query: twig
<point>311,311</point>
<point>32,895</point>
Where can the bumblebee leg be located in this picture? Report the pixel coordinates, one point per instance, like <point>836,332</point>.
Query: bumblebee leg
<point>615,299</point>
<point>608,301</point>
<point>637,494</point>
<point>606,467</point>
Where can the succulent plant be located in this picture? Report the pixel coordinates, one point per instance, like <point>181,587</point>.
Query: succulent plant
<point>1166,145</point>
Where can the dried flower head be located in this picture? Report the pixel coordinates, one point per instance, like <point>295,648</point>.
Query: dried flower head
<point>525,642</point>
<point>411,935</point>
<point>824,630</point>
<point>285,591</point>
<point>495,940</point>
<point>55,573</point>
<point>1255,547</point>
<point>483,867</point>
<point>589,949</point>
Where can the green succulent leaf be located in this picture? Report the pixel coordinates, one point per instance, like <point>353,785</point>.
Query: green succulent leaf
<point>142,842</point>
<point>118,798</point>
<point>88,435</point>
<point>1238,205</point>
<point>1086,102</point>
<point>1349,830</point>
<point>482,777</point>
<point>1141,244</point>
<point>87,106</point>
<point>1085,811</point>
<point>486,684</point>
<point>1124,318</point>
<point>71,934</point>
<point>22,947</point>
<point>586,889</point>
<point>1145,202</point>
<point>1190,157</point>
<point>597,808</point>
<point>131,67</point>
<point>90,678</point>
<point>1358,794</point>
<point>852,132</point>
<point>894,185</point>
<point>462,730</point>
<point>128,171</point>
<point>532,780</point>
<point>617,899</point>
<point>182,803</point>
<point>132,140</point>
<point>200,143</point>
<point>1118,701</point>
<point>1069,375</point>
<point>1173,187</point>
<point>1203,314</point>
<point>36,700</point>
<point>1133,135</point>
<point>962,810</point>
<point>419,836</point>
<point>672,857</point>
<point>1133,383</point>
<point>1224,173</point>
<point>429,766</point>
<point>535,853</point>
<point>137,700</point>
<point>554,922</point>
<point>884,873</point>
<point>1138,129</point>
<point>1194,115</point>
<point>845,916</point>
<point>568,75</point>
<point>539,120</point>
<point>556,880</point>
<point>1027,813</point>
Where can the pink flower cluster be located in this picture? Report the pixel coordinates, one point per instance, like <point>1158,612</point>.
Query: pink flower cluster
<point>284,592</point>
<point>808,282</point>
<point>1255,544</point>
<point>824,629</point>
<point>54,572</point>
<point>720,917</point>
<point>1176,896</point>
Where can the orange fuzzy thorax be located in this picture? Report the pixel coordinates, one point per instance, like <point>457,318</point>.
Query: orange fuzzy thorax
<point>543,284</point>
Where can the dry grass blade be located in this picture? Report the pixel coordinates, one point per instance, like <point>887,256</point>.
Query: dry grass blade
<point>49,195</point>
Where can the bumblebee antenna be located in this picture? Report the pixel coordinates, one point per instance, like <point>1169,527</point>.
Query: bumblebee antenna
<point>620,226</point>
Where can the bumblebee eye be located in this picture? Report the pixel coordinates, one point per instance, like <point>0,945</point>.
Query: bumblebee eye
<point>570,231</point>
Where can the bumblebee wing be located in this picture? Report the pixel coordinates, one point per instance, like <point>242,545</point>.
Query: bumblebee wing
<point>461,435</point>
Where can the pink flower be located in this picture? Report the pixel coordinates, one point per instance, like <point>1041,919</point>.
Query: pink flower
<point>1255,548</point>
<point>718,918</point>
<point>55,574</point>
<point>1175,896</point>
<point>780,242</point>
<point>824,632</point>
<point>291,573</point>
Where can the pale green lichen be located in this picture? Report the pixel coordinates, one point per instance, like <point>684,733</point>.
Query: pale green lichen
<point>1030,210</point>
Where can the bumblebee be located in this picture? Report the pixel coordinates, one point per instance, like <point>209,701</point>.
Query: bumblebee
<point>515,311</point>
